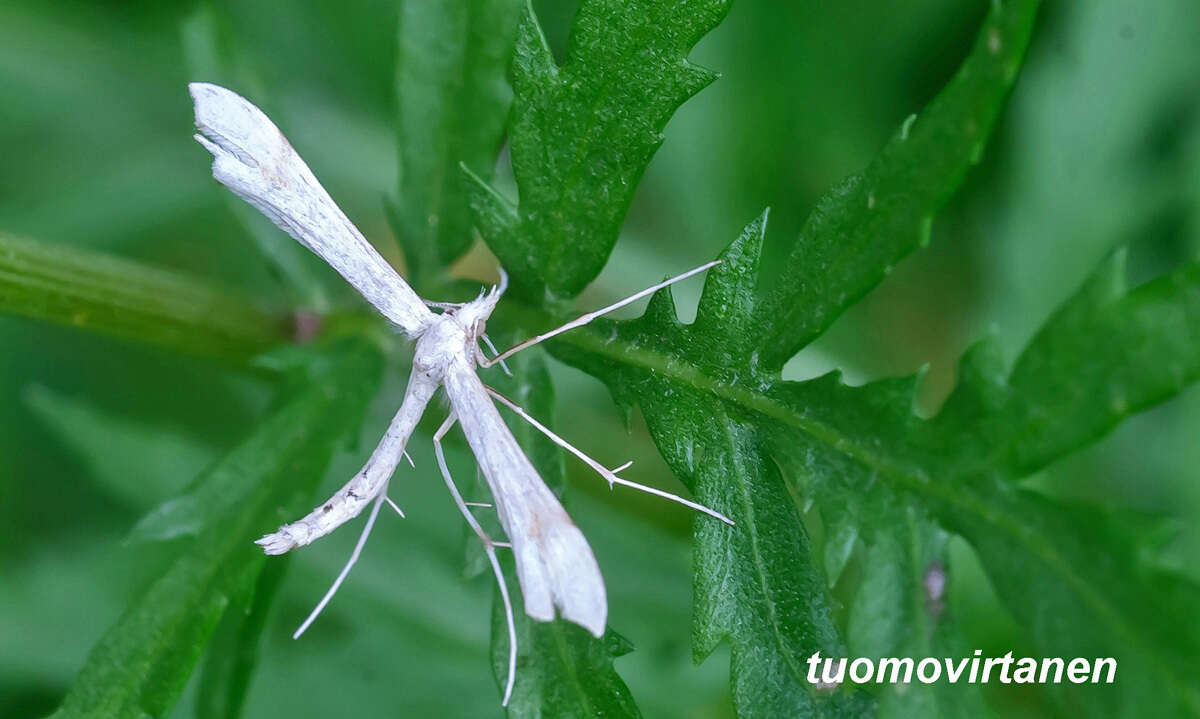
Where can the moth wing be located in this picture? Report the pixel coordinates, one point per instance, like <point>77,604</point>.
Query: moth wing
<point>555,565</point>
<point>363,487</point>
<point>253,158</point>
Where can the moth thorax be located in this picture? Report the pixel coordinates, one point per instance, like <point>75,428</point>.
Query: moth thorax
<point>445,340</point>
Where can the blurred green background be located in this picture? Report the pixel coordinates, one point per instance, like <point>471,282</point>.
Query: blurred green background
<point>1099,148</point>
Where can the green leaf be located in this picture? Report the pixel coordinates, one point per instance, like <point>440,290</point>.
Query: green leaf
<point>582,133</point>
<point>869,222</point>
<point>758,584</point>
<point>1077,579</point>
<point>1051,405</point>
<point>453,98</point>
<point>899,609</point>
<point>755,583</point>
<point>141,664</point>
<point>1105,355</point>
<point>880,475</point>
<point>138,463</point>
<point>1064,570</point>
<point>233,653</point>
<point>562,670</point>
<point>127,299</point>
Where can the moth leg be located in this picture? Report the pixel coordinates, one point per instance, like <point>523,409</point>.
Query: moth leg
<point>481,357</point>
<point>393,505</point>
<point>341,577</point>
<point>608,474</point>
<point>388,499</point>
<point>584,319</point>
<point>489,546</point>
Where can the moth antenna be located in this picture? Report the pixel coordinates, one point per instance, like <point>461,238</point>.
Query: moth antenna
<point>586,318</point>
<point>341,577</point>
<point>503,286</point>
<point>489,547</point>
<point>410,462</point>
<point>609,475</point>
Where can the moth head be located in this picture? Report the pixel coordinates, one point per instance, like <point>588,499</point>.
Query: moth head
<point>473,315</point>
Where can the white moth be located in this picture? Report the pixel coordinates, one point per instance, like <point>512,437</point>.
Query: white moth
<point>555,565</point>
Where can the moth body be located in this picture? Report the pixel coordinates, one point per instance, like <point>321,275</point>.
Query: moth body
<point>555,566</point>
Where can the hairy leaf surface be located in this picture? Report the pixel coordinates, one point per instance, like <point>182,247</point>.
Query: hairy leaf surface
<point>1075,577</point>
<point>758,448</point>
<point>582,133</point>
<point>704,390</point>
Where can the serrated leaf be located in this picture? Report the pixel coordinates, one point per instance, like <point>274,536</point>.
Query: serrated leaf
<point>753,583</point>
<point>1053,406</point>
<point>726,423</point>
<point>1085,566</point>
<point>582,133</point>
<point>141,664</point>
<point>453,99</point>
<point>1075,577</point>
<point>562,670</point>
<point>899,608</point>
<point>704,388</point>
<point>862,227</point>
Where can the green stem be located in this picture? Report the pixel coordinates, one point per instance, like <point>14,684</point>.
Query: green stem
<point>113,296</point>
